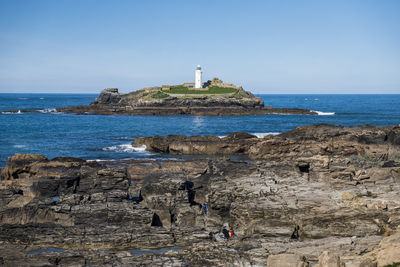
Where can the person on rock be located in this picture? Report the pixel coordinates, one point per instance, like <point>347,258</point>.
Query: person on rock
<point>204,208</point>
<point>225,232</point>
<point>231,234</point>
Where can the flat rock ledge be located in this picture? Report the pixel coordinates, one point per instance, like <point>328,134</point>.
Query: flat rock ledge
<point>320,195</point>
<point>180,110</point>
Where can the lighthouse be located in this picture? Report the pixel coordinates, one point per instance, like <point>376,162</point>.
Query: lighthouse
<point>197,80</point>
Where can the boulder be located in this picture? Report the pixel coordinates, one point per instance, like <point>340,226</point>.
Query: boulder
<point>329,259</point>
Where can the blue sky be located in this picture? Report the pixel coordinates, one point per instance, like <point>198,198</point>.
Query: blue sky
<point>267,47</point>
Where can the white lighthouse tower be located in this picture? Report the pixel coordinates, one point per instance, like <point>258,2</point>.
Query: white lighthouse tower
<point>198,72</point>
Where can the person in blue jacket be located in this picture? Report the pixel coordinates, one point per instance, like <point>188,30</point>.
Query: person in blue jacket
<point>204,208</point>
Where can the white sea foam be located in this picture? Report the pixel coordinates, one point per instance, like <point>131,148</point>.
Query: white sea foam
<point>22,98</point>
<point>124,138</point>
<point>128,148</point>
<point>41,98</point>
<point>262,135</point>
<point>9,112</point>
<point>324,113</point>
<point>19,146</point>
<point>49,110</point>
<point>99,160</point>
<point>259,135</point>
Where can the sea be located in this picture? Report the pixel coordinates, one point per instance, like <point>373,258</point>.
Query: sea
<point>109,137</point>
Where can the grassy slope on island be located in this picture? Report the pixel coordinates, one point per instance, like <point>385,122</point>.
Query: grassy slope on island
<point>184,92</point>
<point>211,90</point>
<point>160,95</point>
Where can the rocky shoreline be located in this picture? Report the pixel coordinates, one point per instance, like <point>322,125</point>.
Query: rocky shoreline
<point>320,194</point>
<point>196,111</point>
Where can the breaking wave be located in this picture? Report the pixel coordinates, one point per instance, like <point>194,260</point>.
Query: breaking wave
<point>320,113</point>
<point>259,135</point>
<point>9,112</point>
<point>50,110</point>
<point>99,160</point>
<point>262,135</point>
<point>127,148</point>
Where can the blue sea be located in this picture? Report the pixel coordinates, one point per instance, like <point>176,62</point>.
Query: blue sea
<point>98,137</point>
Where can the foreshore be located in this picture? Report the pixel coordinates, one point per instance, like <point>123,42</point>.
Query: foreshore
<point>318,193</point>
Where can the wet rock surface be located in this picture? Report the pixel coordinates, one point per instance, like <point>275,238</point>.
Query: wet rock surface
<point>320,194</point>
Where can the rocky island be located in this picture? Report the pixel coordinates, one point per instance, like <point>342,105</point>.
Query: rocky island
<point>211,98</point>
<point>215,98</point>
<point>320,195</point>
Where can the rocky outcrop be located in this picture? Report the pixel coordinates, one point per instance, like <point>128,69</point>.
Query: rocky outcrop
<point>386,254</point>
<point>235,143</point>
<point>219,101</point>
<point>19,165</point>
<point>109,96</point>
<point>155,101</point>
<point>319,139</point>
<point>322,188</point>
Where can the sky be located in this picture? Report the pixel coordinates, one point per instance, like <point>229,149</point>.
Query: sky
<point>269,47</point>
